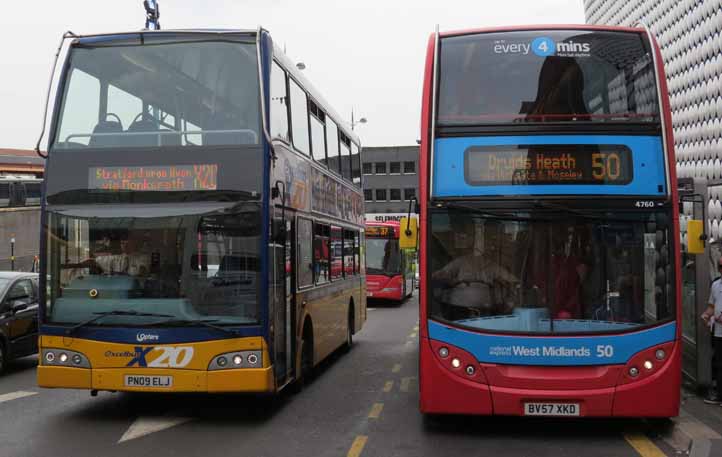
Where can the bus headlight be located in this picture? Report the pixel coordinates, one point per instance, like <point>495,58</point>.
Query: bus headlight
<point>240,359</point>
<point>648,365</point>
<point>64,358</point>
<point>456,363</point>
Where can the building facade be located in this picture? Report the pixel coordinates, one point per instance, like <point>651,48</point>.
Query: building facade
<point>689,35</point>
<point>390,180</point>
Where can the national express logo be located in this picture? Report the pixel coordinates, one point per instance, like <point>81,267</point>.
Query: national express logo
<point>544,47</point>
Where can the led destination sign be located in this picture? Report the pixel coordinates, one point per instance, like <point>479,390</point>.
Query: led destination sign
<point>548,164</point>
<point>154,178</point>
<point>379,231</point>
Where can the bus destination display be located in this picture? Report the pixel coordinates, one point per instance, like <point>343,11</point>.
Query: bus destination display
<point>154,178</point>
<point>381,232</point>
<point>548,164</point>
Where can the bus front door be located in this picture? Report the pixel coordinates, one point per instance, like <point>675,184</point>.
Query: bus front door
<point>283,296</point>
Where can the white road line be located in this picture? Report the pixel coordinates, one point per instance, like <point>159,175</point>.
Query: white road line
<point>146,425</point>
<point>16,395</point>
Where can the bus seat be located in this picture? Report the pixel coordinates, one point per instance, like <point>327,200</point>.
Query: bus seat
<point>105,128</point>
<point>137,128</point>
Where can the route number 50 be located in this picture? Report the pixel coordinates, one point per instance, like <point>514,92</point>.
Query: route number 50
<point>606,166</point>
<point>605,351</point>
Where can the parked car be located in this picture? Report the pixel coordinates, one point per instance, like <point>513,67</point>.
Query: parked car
<point>18,315</point>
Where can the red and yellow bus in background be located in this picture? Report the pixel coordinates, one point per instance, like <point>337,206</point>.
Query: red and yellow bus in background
<point>390,270</point>
<point>548,225</point>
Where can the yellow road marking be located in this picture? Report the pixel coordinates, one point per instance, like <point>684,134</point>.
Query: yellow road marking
<point>376,410</point>
<point>643,445</point>
<point>413,335</point>
<point>358,446</point>
<point>388,386</point>
<point>396,368</point>
<point>416,329</point>
<point>409,342</point>
<point>404,387</point>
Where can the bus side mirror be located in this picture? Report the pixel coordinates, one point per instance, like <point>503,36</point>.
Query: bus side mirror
<point>408,229</point>
<point>695,237</point>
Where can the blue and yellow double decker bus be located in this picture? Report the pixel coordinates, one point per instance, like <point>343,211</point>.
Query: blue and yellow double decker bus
<point>193,180</point>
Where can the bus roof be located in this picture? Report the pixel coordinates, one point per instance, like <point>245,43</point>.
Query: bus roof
<point>278,53</point>
<point>519,28</point>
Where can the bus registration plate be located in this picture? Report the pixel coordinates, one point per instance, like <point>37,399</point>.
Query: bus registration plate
<point>133,380</point>
<point>551,409</point>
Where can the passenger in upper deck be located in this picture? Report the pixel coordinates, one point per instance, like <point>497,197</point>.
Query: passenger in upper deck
<point>560,90</point>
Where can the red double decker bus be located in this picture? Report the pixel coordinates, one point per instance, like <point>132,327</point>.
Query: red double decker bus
<point>390,270</point>
<point>548,225</point>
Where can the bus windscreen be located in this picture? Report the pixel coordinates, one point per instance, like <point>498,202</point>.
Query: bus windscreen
<point>159,91</point>
<point>546,76</point>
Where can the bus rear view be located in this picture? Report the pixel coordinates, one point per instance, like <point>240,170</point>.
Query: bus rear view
<point>549,227</point>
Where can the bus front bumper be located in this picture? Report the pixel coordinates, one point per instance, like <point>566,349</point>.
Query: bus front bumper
<point>259,380</point>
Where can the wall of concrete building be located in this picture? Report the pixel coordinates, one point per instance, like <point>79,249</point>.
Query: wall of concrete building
<point>23,224</point>
<point>405,181</point>
<point>689,33</point>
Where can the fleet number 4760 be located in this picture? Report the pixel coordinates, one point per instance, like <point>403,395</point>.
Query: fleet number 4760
<point>605,350</point>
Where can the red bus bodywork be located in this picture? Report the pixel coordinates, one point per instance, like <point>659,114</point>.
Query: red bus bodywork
<point>380,286</point>
<point>601,391</point>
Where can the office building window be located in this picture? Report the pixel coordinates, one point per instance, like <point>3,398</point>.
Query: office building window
<point>409,168</point>
<point>395,195</point>
<point>380,168</point>
<point>380,195</point>
<point>368,195</point>
<point>367,168</point>
<point>409,193</point>
<point>395,168</point>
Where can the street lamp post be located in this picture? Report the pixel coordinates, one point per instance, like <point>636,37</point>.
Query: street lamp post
<point>360,121</point>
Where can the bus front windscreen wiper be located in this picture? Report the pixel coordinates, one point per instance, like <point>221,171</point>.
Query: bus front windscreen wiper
<point>115,312</point>
<point>191,322</point>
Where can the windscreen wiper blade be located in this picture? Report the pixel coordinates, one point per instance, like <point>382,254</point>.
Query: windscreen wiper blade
<point>546,204</point>
<point>115,312</point>
<point>190,322</point>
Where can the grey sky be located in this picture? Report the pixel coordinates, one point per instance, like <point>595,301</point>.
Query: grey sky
<point>367,55</point>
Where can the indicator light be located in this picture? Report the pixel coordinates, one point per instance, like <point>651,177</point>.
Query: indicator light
<point>634,372</point>
<point>660,354</point>
<point>50,357</point>
<point>470,370</point>
<point>252,359</point>
<point>444,352</point>
<point>77,359</point>
<point>222,361</point>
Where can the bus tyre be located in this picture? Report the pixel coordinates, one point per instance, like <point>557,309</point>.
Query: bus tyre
<point>306,369</point>
<point>349,332</point>
<point>3,357</point>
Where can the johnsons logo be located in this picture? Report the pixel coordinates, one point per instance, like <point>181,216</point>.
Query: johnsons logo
<point>544,47</point>
<point>146,337</point>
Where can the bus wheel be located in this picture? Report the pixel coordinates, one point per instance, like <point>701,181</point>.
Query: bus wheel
<point>306,360</point>
<point>3,356</point>
<point>349,330</point>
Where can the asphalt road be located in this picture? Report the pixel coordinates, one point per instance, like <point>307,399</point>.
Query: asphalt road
<point>364,403</point>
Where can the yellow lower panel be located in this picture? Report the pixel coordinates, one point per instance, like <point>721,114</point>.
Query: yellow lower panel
<point>64,377</point>
<point>245,380</point>
<point>242,380</point>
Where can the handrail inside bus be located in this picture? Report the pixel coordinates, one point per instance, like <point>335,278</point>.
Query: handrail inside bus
<point>159,133</point>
